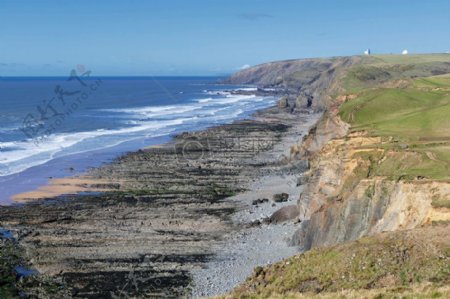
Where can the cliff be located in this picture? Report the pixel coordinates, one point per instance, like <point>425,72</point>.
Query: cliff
<point>379,157</point>
<point>364,177</point>
<point>378,188</point>
<point>345,200</point>
<point>307,83</point>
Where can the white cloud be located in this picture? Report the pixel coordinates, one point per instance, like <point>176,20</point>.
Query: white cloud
<point>245,66</point>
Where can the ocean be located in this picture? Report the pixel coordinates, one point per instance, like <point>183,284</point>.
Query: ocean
<point>56,126</point>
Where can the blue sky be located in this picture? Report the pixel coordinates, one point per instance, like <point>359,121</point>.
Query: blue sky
<point>180,37</point>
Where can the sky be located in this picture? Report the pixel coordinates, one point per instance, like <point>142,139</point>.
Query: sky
<point>214,37</point>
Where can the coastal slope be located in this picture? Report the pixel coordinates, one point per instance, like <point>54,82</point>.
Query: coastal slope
<point>379,167</point>
<point>368,181</point>
<point>304,83</point>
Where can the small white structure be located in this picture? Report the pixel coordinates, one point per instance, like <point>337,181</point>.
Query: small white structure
<point>367,52</point>
<point>405,52</point>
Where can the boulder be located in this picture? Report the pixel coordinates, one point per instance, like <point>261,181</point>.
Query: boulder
<point>302,180</point>
<point>285,214</point>
<point>259,201</point>
<point>281,197</point>
<point>303,101</point>
<point>283,102</point>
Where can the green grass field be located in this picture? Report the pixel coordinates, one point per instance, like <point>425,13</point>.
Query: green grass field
<point>395,260</point>
<point>411,59</point>
<point>377,70</point>
<point>416,118</point>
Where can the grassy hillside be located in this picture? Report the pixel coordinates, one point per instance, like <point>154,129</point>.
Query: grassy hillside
<point>413,117</point>
<point>410,59</point>
<point>415,121</point>
<point>377,70</point>
<point>412,262</point>
<point>405,100</point>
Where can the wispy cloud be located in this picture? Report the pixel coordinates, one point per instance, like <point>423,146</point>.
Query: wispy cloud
<point>254,16</point>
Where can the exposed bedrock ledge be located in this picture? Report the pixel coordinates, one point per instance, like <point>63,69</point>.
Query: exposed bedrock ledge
<point>164,218</point>
<point>343,202</point>
<point>374,206</point>
<point>306,83</point>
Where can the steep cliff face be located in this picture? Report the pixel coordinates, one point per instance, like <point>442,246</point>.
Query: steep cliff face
<point>343,201</point>
<point>307,83</point>
<point>379,156</point>
<point>379,175</point>
<point>330,126</point>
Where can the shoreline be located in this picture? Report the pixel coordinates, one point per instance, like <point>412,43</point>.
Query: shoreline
<point>80,181</point>
<point>166,219</point>
<point>258,241</point>
<point>65,186</point>
<point>76,160</point>
<point>61,168</point>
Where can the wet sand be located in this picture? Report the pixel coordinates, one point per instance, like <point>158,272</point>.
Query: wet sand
<point>67,186</point>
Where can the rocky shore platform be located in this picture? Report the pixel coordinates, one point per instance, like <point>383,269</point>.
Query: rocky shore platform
<point>187,218</point>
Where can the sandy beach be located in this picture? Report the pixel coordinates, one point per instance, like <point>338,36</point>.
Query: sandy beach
<point>66,186</point>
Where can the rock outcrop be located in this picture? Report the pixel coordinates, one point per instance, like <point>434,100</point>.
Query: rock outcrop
<point>343,199</point>
<point>342,202</point>
<point>309,81</point>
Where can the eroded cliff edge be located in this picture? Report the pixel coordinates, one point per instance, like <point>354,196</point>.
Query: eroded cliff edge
<point>375,210</point>
<point>385,168</point>
<point>365,178</point>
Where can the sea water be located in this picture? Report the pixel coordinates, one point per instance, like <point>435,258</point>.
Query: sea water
<point>57,126</point>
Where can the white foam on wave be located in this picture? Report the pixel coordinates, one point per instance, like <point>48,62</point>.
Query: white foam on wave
<point>207,100</point>
<point>154,110</point>
<point>248,89</point>
<point>150,121</point>
<point>227,99</point>
<point>217,92</point>
<point>31,153</point>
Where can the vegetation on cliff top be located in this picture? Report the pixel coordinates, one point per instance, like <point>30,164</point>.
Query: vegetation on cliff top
<point>415,122</point>
<point>405,100</point>
<point>377,70</point>
<point>412,262</point>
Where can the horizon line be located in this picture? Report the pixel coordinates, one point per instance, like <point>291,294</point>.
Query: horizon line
<point>118,76</point>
